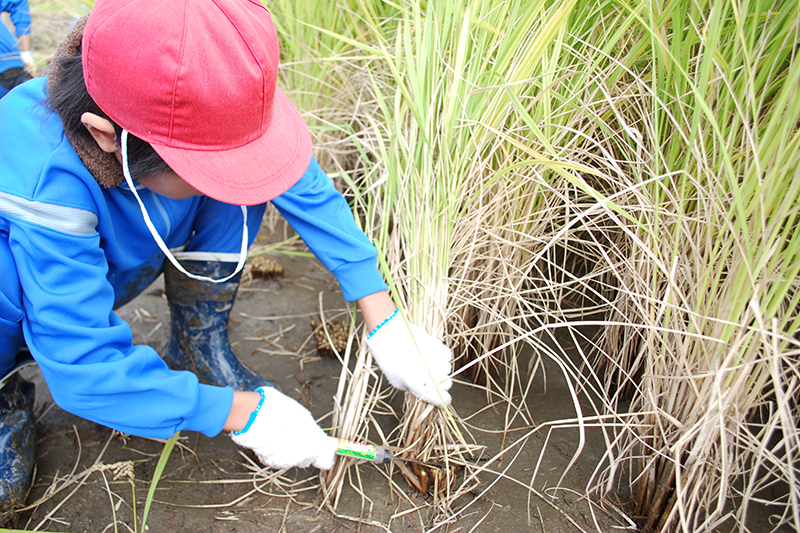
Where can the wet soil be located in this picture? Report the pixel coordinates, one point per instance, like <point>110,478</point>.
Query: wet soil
<point>83,480</point>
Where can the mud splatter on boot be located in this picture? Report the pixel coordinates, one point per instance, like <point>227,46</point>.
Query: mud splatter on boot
<point>17,441</point>
<point>199,312</point>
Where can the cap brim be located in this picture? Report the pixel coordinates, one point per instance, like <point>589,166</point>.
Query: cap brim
<point>253,173</point>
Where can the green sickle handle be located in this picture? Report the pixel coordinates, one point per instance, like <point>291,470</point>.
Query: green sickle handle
<point>364,452</point>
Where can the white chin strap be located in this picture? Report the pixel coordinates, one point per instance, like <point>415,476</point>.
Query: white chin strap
<point>157,237</point>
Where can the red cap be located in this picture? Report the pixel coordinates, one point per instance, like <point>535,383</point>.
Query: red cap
<point>197,80</point>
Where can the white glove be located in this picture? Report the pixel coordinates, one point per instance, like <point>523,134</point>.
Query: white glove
<point>284,434</point>
<point>27,60</point>
<point>412,360</point>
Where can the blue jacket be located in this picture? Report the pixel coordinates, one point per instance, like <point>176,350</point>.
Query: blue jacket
<point>68,246</point>
<point>21,18</point>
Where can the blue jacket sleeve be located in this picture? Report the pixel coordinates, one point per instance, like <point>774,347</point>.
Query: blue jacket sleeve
<point>85,351</point>
<point>322,218</point>
<point>19,13</point>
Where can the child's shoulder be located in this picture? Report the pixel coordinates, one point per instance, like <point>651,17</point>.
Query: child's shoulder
<point>37,162</point>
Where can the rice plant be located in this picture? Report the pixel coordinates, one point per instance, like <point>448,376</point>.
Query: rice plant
<point>455,196</point>
<point>707,299</point>
<point>451,190</point>
<point>528,168</point>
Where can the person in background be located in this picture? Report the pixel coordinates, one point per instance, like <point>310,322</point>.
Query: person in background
<point>16,60</point>
<point>153,145</point>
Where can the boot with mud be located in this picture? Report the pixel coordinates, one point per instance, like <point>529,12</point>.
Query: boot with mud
<point>199,318</point>
<point>17,441</point>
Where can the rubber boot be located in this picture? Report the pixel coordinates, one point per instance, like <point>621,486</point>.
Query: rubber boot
<point>17,441</point>
<point>199,318</point>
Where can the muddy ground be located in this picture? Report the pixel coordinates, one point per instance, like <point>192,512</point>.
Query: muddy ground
<point>83,470</point>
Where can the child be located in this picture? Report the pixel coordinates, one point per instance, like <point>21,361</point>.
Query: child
<point>160,133</point>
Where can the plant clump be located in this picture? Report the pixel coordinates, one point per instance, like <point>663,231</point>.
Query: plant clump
<point>263,267</point>
<point>331,337</point>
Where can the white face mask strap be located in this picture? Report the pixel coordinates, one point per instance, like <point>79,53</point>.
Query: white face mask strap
<point>157,237</point>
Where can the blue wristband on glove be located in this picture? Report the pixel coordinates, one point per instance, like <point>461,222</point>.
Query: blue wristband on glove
<point>379,326</point>
<point>254,414</point>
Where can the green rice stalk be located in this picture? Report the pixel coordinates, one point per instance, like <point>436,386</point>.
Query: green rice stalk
<point>719,233</point>
<point>162,463</point>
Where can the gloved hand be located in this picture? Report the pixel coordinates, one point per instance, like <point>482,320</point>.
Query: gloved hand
<point>412,360</point>
<point>283,434</point>
<point>27,61</point>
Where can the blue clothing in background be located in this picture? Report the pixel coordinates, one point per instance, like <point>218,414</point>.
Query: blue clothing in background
<point>9,52</point>
<point>71,251</point>
<point>21,18</point>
